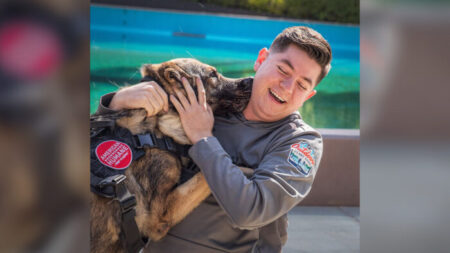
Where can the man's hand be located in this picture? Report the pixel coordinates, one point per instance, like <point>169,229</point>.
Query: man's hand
<point>147,95</point>
<point>196,115</point>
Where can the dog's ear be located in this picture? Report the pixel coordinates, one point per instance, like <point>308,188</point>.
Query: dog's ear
<point>145,70</point>
<point>174,73</point>
<point>149,70</point>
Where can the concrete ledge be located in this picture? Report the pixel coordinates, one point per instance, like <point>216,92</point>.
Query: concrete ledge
<point>337,181</point>
<point>339,133</point>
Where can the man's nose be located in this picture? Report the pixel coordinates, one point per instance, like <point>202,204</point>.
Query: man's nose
<point>288,85</point>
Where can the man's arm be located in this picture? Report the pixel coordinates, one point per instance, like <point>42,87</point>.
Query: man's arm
<point>147,95</point>
<point>103,106</point>
<point>276,186</point>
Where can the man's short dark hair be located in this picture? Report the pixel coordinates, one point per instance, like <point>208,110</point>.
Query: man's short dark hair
<point>307,40</point>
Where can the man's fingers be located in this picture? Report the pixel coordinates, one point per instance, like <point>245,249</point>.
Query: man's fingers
<point>147,95</point>
<point>153,89</point>
<point>201,92</point>
<point>151,101</point>
<point>154,98</point>
<point>163,95</point>
<point>145,103</point>
<point>176,104</point>
<point>183,100</point>
<point>189,91</point>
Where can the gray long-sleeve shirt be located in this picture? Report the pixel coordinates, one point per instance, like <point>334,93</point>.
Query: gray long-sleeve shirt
<point>247,214</point>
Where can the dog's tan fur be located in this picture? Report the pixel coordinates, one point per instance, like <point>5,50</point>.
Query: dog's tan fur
<point>161,203</point>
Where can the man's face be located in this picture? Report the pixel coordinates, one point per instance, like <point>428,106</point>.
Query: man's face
<point>282,83</point>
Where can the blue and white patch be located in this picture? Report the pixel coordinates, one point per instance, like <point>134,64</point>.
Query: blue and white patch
<point>302,157</point>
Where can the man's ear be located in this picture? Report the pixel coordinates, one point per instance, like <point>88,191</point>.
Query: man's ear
<point>262,56</point>
<point>313,92</point>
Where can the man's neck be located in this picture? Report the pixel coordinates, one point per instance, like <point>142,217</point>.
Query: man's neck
<point>249,114</point>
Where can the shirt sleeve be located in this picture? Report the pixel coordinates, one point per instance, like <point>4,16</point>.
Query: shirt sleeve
<point>284,177</point>
<point>103,106</point>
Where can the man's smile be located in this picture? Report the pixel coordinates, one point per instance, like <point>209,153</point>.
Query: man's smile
<point>276,97</point>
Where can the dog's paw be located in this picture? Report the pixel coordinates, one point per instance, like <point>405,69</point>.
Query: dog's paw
<point>163,228</point>
<point>159,231</point>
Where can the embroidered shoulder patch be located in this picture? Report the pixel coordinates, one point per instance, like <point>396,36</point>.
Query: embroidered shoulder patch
<point>302,157</point>
<point>114,154</point>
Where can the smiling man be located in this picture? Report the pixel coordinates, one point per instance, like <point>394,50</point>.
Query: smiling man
<point>247,214</point>
<point>284,80</point>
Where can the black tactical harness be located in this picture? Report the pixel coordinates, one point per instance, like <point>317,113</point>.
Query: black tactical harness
<point>110,183</point>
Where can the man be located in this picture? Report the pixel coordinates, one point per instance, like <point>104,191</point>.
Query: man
<point>247,214</point>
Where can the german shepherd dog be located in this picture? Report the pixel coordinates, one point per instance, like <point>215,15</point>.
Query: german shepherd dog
<point>154,178</point>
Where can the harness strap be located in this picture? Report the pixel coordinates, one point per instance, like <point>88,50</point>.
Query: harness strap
<point>103,123</point>
<point>129,229</point>
<point>164,143</point>
<point>103,186</point>
<point>98,126</point>
<point>141,140</point>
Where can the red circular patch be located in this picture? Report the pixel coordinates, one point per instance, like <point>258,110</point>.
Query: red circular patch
<point>114,154</point>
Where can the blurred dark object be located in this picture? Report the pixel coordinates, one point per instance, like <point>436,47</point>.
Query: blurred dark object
<point>44,67</point>
<point>33,42</point>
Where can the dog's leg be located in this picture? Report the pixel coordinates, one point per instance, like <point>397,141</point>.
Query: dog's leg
<point>180,202</point>
<point>186,197</point>
<point>152,178</point>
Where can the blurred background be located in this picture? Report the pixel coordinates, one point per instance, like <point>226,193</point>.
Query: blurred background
<point>45,104</point>
<point>405,123</point>
<point>44,112</point>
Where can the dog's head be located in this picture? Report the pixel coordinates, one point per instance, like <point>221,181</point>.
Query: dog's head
<point>224,95</point>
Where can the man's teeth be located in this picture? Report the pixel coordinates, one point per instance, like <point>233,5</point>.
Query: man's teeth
<point>278,97</point>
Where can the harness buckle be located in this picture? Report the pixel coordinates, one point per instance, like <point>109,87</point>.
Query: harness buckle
<point>112,181</point>
<point>126,200</point>
<point>145,139</point>
<point>169,144</point>
<point>128,203</point>
<point>119,179</point>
